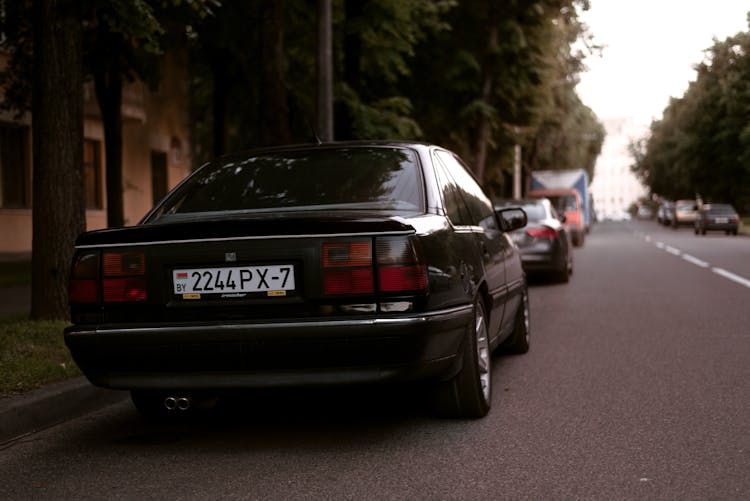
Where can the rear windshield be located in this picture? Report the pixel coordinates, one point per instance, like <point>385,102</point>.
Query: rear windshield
<point>534,212</point>
<point>721,209</point>
<point>366,178</point>
<point>564,202</point>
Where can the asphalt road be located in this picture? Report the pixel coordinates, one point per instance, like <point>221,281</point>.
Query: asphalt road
<point>637,386</point>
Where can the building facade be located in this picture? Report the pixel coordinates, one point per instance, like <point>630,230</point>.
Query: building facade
<point>156,154</point>
<point>614,187</point>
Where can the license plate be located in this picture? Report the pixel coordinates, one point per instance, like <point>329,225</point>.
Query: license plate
<point>236,281</point>
<point>721,220</point>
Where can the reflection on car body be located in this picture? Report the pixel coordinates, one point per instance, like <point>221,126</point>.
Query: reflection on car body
<point>544,242</point>
<point>356,262</point>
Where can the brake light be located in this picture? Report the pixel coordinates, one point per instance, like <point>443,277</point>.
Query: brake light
<point>543,232</point>
<point>124,277</point>
<point>347,268</point>
<point>83,286</point>
<point>400,267</point>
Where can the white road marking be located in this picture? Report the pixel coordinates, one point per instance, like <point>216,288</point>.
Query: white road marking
<point>731,276</point>
<point>699,262</point>
<point>695,261</point>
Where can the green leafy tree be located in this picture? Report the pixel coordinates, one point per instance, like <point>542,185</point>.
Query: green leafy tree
<point>504,70</point>
<point>701,145</point>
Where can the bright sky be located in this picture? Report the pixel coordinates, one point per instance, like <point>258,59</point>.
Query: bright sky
<point>651,47</point>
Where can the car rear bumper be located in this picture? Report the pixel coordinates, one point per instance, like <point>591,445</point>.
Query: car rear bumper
<point>721,226</point>
<point>543,258</point>
<point>252,354</point>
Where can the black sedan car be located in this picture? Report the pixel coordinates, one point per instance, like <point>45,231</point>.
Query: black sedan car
<point>717,217</point>
<point>544,243</point>
<point>323,264</point>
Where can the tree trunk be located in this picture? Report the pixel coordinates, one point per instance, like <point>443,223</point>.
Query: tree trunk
<point>325,71</point>
<point>352,78</point>
<point>220,97</point>
<point>57,114</point>
<point>108,86</point>
<point>274,107</point>
<point>484,128</point>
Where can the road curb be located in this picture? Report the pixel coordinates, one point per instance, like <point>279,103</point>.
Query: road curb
<point>52,404</point>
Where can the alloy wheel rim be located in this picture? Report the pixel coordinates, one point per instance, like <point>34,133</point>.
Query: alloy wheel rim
<point>526,316</point>
<point>483,354</point>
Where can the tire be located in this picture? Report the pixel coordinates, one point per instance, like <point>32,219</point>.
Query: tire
<point>578,240</point>
<point>468,394</point>
<point>562,273</point>
<point>519,340</point>
<point>703,231</point>
<point>695,230</point>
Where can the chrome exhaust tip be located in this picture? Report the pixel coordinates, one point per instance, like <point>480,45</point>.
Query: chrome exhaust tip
<point>183,403</point>
<point>170,403</point>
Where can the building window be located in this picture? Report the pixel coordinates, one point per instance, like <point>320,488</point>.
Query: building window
<point>92,167</point>
<point>158,175</point>
<point>14,167</point>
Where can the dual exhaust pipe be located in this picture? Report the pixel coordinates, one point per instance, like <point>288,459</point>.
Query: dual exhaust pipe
<point>177,403</point>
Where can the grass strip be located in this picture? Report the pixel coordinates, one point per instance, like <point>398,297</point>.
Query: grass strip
<point>32,354</point>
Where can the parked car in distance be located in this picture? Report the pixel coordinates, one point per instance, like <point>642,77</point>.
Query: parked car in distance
<point>717,217</point>
<point>567,202</point>
<point>645,212</point>
<point>544,242</point>
<point>665,213</point>
<point>340,263</point>
<point>685,213</point>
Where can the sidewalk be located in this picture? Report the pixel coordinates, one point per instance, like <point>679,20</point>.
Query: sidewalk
<point>52,404</point>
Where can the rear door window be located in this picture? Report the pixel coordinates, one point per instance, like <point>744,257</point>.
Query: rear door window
<point>480,208</point>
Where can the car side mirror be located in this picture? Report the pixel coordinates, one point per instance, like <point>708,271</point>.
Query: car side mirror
<point>512,218</point>
<point>562,218</point>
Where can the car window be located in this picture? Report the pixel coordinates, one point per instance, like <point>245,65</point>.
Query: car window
<point>721,209</point>
<point>480,208</point>
<point>535,212</point>
<point>455,208</point>
<point>564,202</point>
<point>321,179</point>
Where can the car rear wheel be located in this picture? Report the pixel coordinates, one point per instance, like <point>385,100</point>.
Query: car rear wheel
<point>468,393</point>
<point>562,273</point>
<point>519,340</point>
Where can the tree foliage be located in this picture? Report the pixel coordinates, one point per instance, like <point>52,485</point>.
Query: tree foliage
<point>469,75</point>
<point>701,145</point>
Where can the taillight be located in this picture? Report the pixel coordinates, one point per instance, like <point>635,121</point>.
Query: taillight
<point>543,232</point>
<point>124,277</point>
<point>400,266</point>
<point>347,268</point>
<point>83,286</point>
